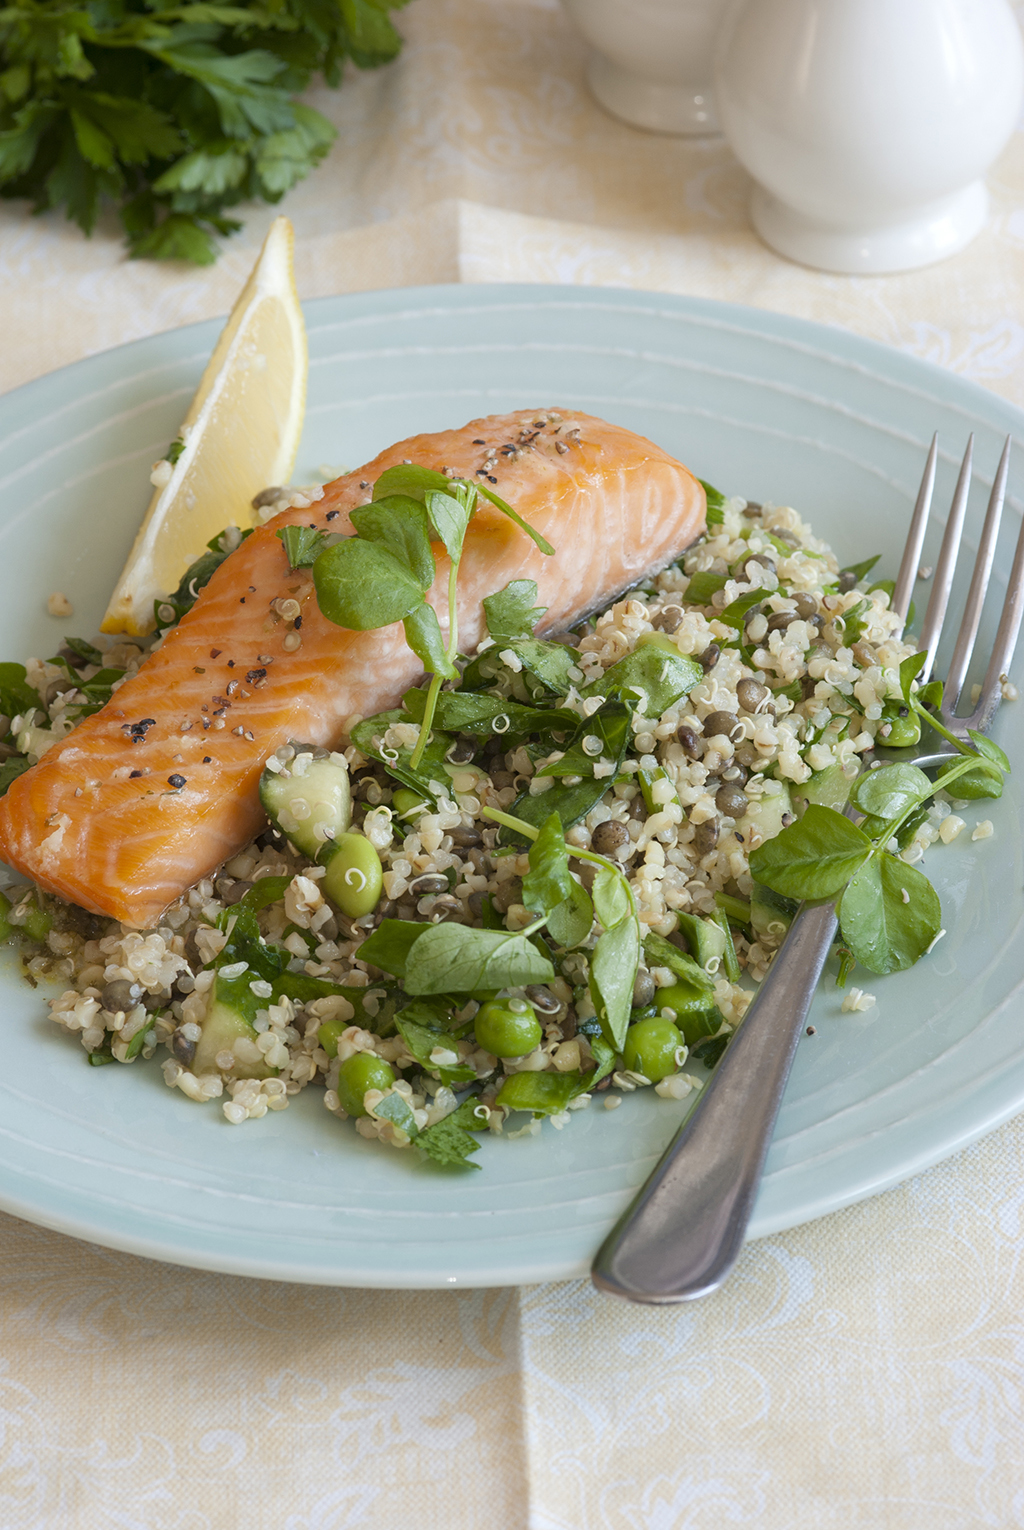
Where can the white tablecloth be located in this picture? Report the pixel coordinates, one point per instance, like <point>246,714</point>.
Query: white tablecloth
<point>864,1371</point>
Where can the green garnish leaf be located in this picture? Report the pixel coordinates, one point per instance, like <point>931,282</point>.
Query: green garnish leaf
<point>613,969</point>
<point>511,613</point>
<point>535,536</point>
<point>982,781</point>
<point>861,570</point>
<point>423,635</point>
<point>449,958</point>
<point>734,613</point>
<point>421,1040</point>
<point>890,791</point>
<point>910,668</point>
<point>989,748</point>
<point>302,544</point>
<point>610,726</point>
<point>362,586</point>
<point>703,585</point>
<point>716,502</point>
<point>408,479</point>
<point>885,930</point>
<point>550,662</point>
<point>477,712</point>
<point>611,897</point>
<point>13,767</point>
<point>655,677</point>
<point>812,858</point>
<point>449,515</point>
<point>16,695</point>
<point>390,945</point>
<point>449,1141</point>
<point>396,1109</point>
<point>571,921</point>
<point>662,953</point>
<point>548,883</point>
<point>399,523</point>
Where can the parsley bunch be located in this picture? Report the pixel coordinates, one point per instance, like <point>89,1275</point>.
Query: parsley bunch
<point>174,112</point>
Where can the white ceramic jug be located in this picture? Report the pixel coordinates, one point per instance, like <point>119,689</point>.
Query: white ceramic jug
<point>869,124</point>
<point>652,60</point>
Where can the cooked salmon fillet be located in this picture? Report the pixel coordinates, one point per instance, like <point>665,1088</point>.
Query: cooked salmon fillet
<point>157,789</point>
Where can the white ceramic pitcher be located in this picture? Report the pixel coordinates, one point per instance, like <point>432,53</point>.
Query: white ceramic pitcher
<point>868,125</point>
<point>652,60</point>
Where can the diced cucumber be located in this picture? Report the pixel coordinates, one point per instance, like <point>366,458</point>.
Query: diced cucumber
<point>706,940</point>
<point>223,1026</point>
<point>764,816</point>
<point>827,788</point>
<point>305,792</point>
<point>770,915</point>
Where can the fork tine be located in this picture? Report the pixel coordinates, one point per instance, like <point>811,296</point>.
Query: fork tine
<point>946,568</point>
<point>915,536</point>
<point>979,584</point>
<point>1006,640</point>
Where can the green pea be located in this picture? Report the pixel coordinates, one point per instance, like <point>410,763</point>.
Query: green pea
<point>329,1032</point>
<point>508,1027</point>
<point>694,1011</point>
<point>904,726</point>
<point>406,803</point>
<point>38,922</point>
<point>357,1074</point>
<point>354,875</point>
<point>650,1048</point>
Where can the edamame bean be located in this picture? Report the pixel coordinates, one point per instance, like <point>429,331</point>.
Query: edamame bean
<point>651,1047</point>
<point>357,1074</point>
<point>354,877</point>
<point>406,803</point>
<point>508,1027</point>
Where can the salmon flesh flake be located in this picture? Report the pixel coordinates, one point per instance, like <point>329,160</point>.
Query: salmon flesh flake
<point>157,789</point>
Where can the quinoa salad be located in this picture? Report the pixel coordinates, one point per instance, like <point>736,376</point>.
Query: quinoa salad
<point>798,681</point>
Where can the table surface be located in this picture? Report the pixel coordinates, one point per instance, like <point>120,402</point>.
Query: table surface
<point>863,1371</point>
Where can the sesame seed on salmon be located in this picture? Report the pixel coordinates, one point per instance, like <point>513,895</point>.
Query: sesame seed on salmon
<point>157,789</point>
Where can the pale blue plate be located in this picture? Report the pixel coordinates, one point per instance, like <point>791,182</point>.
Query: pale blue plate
<point>758,403</point>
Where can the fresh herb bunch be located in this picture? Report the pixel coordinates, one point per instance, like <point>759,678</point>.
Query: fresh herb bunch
<point>174,112</point>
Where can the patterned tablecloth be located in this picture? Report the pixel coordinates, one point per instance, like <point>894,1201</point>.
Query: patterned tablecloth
<point>864,1371</point>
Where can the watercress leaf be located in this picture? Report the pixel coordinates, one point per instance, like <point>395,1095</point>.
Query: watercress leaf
<point>511,611</point>
<point>989,748</point>
<point>571,921</point>
<point>812,858</point>
<point>362,586</point>
<point>654,676</point>
<point>861,570</point>
<point>400,524</point>
<point>546,1094</point>
<point>886,931</point>
<point>662,953</point>
<point>910,668</point>
<point>535,536</point>
<point>303,545</point>
<point>409,479</point>
<point>548,883</point>
<point>613,968</point>
<point>985,779</point>
<point>611,899</point>
<point>423,635</point>
<point>390,945</point>
<point>890,791</point>
<point>449,958</point>
<point>450,519</point>
<point>716,503</point>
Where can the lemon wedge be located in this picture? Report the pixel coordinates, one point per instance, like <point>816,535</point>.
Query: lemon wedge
<point>240,435</point>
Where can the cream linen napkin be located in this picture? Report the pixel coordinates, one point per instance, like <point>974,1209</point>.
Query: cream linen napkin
<point>865,1372</point>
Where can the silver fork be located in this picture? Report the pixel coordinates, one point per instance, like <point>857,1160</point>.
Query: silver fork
<point>684,1232</point>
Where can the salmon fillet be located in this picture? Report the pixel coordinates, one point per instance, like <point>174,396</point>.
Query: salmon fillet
<point>156,790</point>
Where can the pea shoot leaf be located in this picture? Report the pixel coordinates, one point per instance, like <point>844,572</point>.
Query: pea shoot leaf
<point>814,857</point>
<point>989,748</point>
<point>610,726</point>
<point>399,523</point>
<point>408,479</point>
<point>571,921</point>
<point>910,668</point>
<point>422,1041</point>
<point>613,968</point>
<point>889,914</point>
<point>302,544</point>
<point>655,677</point>
<point>423,635</point>
<point>449,958</point>
<point>513,515</point>
<point>449,1140</point>
<point>548,883</point>
<point>716,503</point>
<point>477,712</point>
<point>611,898</point>
<point>662,953</point>
<point>390,945</point>
<point>890,791</point>
<point>362,586</point>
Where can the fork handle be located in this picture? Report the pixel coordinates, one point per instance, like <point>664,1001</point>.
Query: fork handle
<point>685,1230</point>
